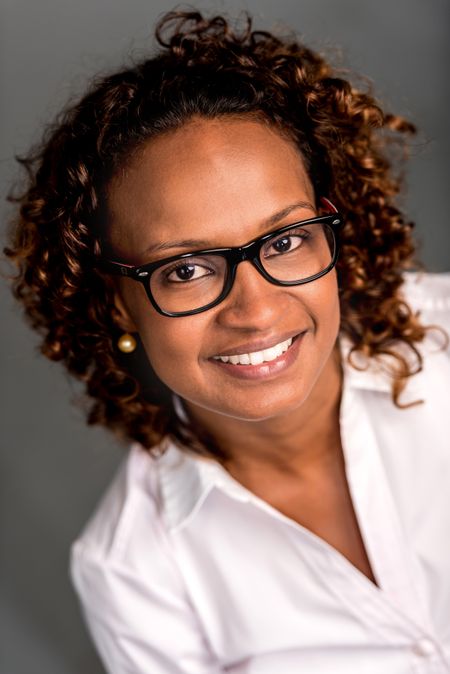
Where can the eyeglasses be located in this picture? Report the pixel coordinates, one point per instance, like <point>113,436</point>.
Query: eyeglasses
<point>190,283</point>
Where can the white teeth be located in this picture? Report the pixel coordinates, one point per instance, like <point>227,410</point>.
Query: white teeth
<point>273,352</point>
<point>257,357</point>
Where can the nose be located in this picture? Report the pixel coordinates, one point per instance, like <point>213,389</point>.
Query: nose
<point>253,302</point>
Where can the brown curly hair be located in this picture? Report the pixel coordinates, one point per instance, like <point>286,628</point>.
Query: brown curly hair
<point>206,67</point>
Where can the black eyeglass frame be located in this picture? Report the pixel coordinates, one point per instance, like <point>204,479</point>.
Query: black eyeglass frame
<point>233,257</point>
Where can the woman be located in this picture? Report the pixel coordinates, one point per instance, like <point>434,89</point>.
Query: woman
<point>211,241</point>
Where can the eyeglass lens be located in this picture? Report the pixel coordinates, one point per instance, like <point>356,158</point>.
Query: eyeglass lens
<point>292,256</point>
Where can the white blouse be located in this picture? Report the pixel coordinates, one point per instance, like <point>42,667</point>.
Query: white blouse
<point>182,570</point>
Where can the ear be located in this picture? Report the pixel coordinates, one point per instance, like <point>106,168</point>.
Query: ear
<point>121,315</point>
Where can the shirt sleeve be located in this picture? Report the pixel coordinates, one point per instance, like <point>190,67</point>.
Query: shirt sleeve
<point>139,623</point>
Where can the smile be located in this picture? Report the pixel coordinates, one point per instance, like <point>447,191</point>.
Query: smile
<point>257,357</point>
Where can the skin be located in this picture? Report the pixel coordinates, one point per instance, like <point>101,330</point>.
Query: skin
<point>219,181</point>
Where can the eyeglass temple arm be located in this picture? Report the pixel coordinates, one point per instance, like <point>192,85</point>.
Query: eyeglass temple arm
<point>118,268</point>
<point>328,205</point>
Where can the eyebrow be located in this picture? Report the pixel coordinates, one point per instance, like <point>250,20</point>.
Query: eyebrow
<point>203,243</point>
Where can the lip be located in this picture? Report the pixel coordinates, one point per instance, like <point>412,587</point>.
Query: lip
<point>258,345</point>
<point>265,370</point>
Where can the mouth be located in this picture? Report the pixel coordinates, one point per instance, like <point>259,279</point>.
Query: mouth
<point>261,365</point>
<point>257,357</point>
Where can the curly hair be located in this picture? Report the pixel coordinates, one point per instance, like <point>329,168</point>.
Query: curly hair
<point>208,68</point>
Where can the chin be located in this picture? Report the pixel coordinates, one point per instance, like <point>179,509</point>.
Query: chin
<point>261,408</point>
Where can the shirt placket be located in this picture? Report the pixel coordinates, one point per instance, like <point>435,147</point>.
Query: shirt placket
<point>399,598</point>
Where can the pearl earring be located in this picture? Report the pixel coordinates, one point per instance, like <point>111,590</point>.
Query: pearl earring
<point>126,343</point>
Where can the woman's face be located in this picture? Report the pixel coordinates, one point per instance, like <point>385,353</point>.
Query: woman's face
<point>219,183</point>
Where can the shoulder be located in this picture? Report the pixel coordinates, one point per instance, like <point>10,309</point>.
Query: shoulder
<point>429,294</point>
<point>125,573</point>
<point>131,492</point>
<point>126,534</point>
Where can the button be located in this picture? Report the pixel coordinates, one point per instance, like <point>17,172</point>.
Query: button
<point>424,647</point>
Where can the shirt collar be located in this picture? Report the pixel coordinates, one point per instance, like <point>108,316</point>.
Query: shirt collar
<point>186,479</point>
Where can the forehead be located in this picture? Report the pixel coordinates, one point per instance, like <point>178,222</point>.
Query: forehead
<point>206,179</point>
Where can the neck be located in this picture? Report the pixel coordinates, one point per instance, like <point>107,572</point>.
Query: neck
<point>294,444</point>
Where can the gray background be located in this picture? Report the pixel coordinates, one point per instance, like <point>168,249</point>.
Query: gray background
<point>53,468</point>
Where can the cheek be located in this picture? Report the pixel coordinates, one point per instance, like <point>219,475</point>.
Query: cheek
<point>332,304</point>
<point>173,347</point>
<point>322,299</point>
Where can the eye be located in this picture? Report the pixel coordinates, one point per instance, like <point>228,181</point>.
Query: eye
<point>186,271</point>
<point>286,243</point>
